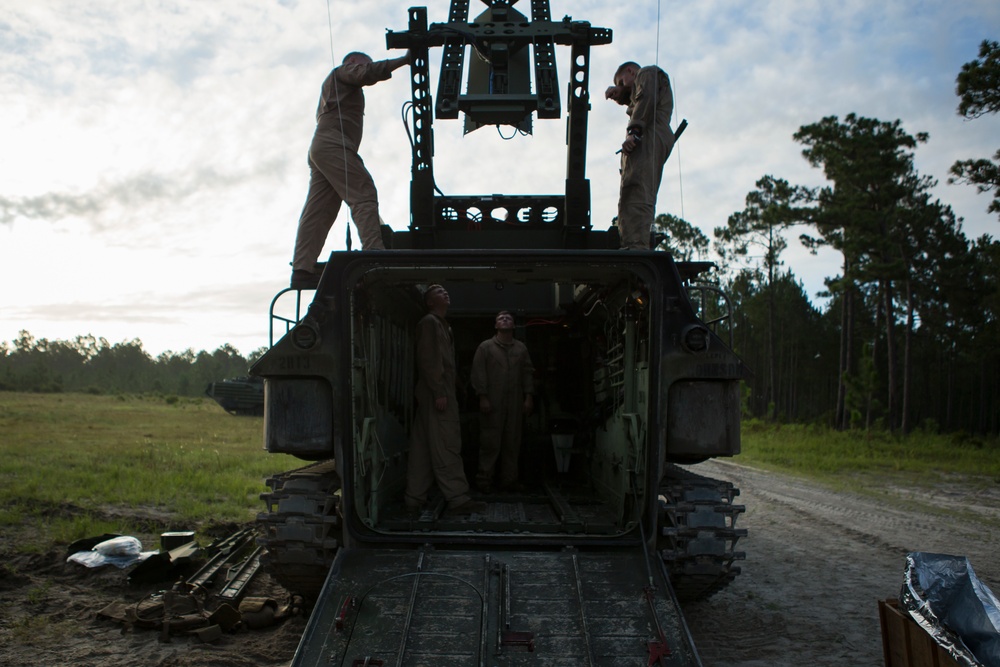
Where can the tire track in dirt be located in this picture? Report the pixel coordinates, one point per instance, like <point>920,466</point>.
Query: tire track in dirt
<point>818,561</point>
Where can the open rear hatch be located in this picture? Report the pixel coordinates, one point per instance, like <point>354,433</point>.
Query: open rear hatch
<point>496,608</point>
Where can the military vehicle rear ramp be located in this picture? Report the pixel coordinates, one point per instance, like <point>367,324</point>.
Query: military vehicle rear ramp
<point>565,608</point>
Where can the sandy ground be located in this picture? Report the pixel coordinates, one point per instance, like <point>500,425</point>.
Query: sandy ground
<point>817,563</point>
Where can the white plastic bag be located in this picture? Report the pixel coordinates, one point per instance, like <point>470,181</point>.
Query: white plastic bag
<point>119,546</point>
<point>119,551</point>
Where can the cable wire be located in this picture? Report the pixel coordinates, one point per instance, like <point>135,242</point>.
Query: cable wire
<point>675,115</point>
<point>340,116</point>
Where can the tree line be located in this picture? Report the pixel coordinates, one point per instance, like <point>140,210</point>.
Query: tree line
<point>93,365</point>
<point>910,336</point>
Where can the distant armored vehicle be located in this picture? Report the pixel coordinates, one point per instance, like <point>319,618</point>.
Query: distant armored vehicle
<point>239,396</point>
<point>586,561</point>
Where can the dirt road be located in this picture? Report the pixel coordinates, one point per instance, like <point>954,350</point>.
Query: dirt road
<point>817,562</point>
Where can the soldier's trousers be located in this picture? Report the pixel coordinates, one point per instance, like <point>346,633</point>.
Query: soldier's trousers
<point>641,174</point>
<point>336,175</point>
<point>499,441</point>
<point>436,453</point>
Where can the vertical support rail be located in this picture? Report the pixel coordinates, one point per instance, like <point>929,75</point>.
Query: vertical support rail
<point>484,626</point>
<point>409,612</point>
<point>583,613</point>
<point>546,74</point>
<point>500,615</point>
<point>505,581</point>
<point>578,96</point>
<point>452,63</point>
<point>422,171</point>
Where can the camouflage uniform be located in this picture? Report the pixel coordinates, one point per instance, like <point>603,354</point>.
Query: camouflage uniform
<point>436,437</point>
<point>502,372</point>
<point>337,173</point>
<point>649,110</point>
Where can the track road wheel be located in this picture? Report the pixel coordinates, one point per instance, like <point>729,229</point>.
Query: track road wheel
<point>301,530</point>
<point>698,533</point>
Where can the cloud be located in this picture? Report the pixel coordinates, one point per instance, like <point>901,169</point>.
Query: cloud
<point>136,194</point>
<point>156,151</point>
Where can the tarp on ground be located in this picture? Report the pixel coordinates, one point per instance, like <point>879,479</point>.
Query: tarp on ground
<point>943,594</point>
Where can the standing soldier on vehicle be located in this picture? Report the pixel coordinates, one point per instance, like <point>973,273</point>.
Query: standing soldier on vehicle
<point>648,143</point>
<point>502,377</point>
<point>337,172</point>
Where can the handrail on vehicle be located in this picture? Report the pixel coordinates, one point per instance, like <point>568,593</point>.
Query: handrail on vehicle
<point>288,322</point>
<point>701,303</point>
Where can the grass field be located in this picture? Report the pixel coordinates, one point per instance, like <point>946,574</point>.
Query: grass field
<point>81,465</point>
<point>831,455</point>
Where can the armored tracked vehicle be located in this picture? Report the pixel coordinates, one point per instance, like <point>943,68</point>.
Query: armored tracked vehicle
<point>238,396</point>
<point>585,562</point>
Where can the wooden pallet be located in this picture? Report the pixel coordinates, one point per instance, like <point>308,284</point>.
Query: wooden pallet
<point>905,643</point>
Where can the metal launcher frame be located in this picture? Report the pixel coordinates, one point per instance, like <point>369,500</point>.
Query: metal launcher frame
<point>499,93</point>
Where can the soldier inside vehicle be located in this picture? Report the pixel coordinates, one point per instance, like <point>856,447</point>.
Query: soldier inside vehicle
<point>582,468</point>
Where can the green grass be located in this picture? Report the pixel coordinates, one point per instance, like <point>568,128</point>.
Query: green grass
<point>851,458</point>
<point>81,465</point>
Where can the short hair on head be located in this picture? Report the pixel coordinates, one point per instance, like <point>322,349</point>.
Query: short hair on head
<point>429,290</point>
<point>353,54</point>
<point>503,312</point>
<point>622,67</point>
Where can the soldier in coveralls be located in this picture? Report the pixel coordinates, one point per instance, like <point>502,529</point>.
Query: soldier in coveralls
<point>502,377</point>
<point>436,436</point>
<point>337,173</point>
<point>648,142</point>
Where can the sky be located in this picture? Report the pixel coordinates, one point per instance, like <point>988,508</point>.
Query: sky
<point>153,153</point>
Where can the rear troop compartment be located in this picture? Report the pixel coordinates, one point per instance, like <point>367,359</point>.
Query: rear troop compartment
<point>623,369</point>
